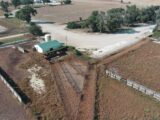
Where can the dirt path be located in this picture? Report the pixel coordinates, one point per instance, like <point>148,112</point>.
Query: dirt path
<point>86,110</point>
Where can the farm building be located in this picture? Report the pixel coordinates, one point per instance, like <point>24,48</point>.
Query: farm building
<point>52,45</point>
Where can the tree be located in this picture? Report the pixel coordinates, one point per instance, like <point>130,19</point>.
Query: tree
<point>4,6</point>
<point>25,13</point>
<point>16,3</point>
<point>101,23</point>
<point>114,19</point>
<point>45,1</point>
<point>93,21</point>
<point>132,15</point>
<point>148,14</point>
<point>35,30</point>
<point>116,10</point>
<point>157,20</point>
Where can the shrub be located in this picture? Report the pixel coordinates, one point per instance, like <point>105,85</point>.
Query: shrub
<point>67,1</point>
<point>70,48</point>
<point>35,30</point>
<point>6,15</point>
<point>78,53</point>
<point>73,25</point>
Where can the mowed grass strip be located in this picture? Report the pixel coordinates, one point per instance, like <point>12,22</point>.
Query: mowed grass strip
<point>12,40</point>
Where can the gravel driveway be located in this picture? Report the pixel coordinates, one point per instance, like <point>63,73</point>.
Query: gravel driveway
<point>100,44</point>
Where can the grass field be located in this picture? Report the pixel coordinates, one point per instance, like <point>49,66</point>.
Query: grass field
<point>11,40</point>
<point>13,25</point>
<point>119,102</point>
<point>141,65</point>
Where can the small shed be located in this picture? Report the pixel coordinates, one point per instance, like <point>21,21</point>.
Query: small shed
<point>48,46</point>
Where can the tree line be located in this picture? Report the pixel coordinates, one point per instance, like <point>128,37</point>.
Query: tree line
<point>116,18</point>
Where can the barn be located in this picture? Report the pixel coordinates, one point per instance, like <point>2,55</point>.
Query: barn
<point>52,45</point>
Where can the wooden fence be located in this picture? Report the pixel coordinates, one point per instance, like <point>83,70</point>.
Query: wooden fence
<point>141,88</point>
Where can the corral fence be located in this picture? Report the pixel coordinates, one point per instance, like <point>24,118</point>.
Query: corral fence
<point>22,98</point>
<point>135,85</point>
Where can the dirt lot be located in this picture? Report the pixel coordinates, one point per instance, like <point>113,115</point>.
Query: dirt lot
<point>119,102</point>
<point>141,65</point>
<point>9,107</point>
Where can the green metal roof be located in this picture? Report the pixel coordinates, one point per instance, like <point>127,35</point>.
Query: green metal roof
<point>53,44</point>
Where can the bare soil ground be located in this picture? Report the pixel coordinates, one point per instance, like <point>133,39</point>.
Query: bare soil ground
<point>137,2</point>
<point>87,104</point>
<point>141,65</point>
<point>47,104</point>
<point>10,108</point>
<point>10,60</point>
<point>16,64</point>
<point>119,102</point>
<point>83,8</point>
<point>67,13</point>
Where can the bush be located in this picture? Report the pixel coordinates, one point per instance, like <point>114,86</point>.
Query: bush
<point>35,30</point>
<point>70,48</point>
<point>6,15</point>
<point>73,25</point>
<point>67,1</point>
<point>78,53</point>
